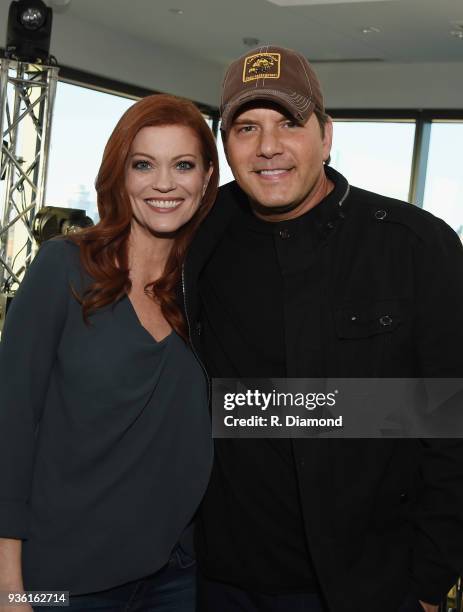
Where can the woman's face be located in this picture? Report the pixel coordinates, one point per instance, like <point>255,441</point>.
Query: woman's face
<point>165,177</point>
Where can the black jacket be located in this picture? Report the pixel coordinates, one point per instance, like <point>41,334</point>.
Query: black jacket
<point>382,517</point>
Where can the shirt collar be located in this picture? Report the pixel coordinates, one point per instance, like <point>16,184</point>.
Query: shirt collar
<point>324,217</point>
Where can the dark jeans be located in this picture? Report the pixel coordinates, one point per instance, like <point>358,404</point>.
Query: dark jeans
<point>220,597</point>
<point>171,589</point>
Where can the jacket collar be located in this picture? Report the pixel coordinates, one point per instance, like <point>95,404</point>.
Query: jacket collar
<point>230,202</point>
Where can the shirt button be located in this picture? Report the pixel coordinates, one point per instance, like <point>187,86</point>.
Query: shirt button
<point>380,215</point>
<point>386,320</point>
<point>403,498</point>
<point>284,234</point>
<point>198,327</point>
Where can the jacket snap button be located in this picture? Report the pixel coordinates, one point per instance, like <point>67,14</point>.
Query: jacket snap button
<point>386,320</point>
<point>330,225</point>
<point>284,234</point>
<point>354,318</point>
<point>198,327</point>
<point>403,498</point>
<point>380,215</point>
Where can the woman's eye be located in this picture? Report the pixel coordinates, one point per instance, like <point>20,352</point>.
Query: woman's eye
<point>141,164</point>
<point>185,165</point>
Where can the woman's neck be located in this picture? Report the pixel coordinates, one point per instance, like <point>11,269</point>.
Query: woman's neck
<point>147,255</point>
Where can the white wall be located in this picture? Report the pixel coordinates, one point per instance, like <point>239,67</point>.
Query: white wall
<point>88,47</point>
<point>85,46</point>
<point>381,85</point>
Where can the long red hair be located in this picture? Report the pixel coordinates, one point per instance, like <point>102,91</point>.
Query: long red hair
<point>104,247</point>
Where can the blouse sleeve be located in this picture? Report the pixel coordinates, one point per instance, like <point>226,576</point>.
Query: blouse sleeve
<point>28,349</point>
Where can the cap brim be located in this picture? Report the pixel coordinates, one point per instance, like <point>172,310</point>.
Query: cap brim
<point>299,111</point>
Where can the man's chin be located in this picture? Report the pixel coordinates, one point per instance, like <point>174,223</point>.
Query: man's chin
<point>270,209</point>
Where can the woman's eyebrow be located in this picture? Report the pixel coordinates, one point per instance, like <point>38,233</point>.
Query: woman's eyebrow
<point>139,153</point>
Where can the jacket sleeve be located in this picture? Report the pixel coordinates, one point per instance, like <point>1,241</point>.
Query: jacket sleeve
<point>438,547</point>
<point>28,349</point>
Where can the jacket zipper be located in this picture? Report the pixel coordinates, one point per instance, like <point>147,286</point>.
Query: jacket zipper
<point>209,383</point>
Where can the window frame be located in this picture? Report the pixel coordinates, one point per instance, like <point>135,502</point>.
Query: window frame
<point>423,118</point>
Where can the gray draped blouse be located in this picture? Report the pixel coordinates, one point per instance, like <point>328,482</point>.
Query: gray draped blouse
<point>105,442</point>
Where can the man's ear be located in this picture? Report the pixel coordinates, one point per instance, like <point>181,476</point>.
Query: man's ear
<point>224,143</point>
<point>327,138</point>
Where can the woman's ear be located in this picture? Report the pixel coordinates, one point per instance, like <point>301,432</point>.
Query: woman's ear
<point>207,178</point>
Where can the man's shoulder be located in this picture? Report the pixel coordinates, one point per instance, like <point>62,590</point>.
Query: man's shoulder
<point>230,198</point>
<point>390,213</point>
<point>230,191</point>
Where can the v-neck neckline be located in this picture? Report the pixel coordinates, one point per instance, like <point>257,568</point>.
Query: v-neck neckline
<point>143,328</point>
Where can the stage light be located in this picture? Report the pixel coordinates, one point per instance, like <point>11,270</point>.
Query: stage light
<point>29,31</point>
<point>53,221</point>
<point>32,18</point>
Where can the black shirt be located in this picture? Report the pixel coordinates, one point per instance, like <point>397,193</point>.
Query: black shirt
<point>249,289</point>
<point>105,443</point>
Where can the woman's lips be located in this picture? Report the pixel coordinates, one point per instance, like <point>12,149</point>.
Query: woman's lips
<point>163,206</point>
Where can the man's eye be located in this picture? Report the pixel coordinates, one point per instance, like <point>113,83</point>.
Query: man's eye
<point>141,164</point>
<point>185,165</point>
<point>290,124</point>
<point>246,128</point>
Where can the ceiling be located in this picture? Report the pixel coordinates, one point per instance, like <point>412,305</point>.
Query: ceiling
<point>324,30</point>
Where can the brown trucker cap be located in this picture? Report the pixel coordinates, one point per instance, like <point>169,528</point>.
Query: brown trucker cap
<point>274,74</point>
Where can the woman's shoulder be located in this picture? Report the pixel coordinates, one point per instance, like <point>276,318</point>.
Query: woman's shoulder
<point>58,254</point>
<point>59,248</point>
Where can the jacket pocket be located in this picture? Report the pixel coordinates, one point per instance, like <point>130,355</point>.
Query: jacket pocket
<point>365,319</point>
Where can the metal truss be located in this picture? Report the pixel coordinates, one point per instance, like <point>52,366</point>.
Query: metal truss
<point>27,94</point>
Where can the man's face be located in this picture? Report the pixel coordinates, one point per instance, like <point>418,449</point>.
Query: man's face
<point>276,161</point>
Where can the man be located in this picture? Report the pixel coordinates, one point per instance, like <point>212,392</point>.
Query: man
<point>297,274</point>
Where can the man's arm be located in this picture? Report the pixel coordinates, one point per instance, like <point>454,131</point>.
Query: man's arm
<point>438,546</point>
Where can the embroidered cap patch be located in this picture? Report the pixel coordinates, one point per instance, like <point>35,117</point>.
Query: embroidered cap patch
<point>261,66</point>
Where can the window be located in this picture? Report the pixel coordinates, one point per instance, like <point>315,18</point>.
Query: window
<point>375,155</point>
<point>82,123</point>
<point>443,194</point>
<point>372,155</point>
<point>226,174</point>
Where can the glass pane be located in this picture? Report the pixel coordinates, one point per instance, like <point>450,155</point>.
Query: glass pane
<point>372,155</point>
<point>208,120</point>
<point>375,155</point>
<point>226,174</point>
<point>82,123</point>
<point>443,194</point>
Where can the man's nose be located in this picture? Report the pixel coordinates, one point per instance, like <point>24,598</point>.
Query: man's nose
<point>269,143</point>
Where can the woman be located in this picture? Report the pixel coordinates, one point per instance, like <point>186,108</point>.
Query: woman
<point>105,444</point>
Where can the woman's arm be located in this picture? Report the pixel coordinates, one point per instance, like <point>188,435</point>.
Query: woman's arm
<point>10,564</point>
<point>28,350</point>
<point>11,576</point>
